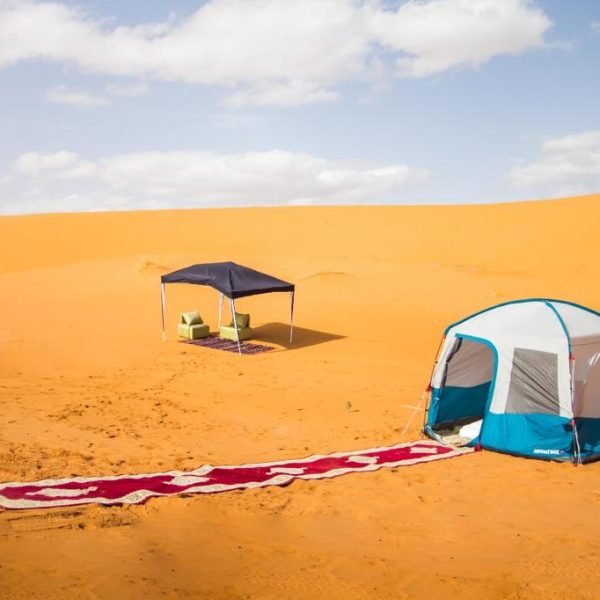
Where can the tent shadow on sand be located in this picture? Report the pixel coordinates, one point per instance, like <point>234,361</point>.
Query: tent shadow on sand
<point>278,334</point>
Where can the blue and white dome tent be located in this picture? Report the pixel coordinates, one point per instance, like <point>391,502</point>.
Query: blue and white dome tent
<point>524,376</point>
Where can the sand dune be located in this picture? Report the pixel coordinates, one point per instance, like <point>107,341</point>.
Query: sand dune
<point>87,387</point>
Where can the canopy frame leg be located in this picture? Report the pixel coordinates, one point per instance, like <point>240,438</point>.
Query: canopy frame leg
<point>292,294</point>
<point>237,331</point>
<point>162,310</point>
<point>221,297</point>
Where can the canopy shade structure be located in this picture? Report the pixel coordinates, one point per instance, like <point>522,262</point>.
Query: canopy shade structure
<point>231,280</point>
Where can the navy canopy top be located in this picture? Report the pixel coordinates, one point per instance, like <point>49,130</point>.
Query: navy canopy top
<point>231,279</point>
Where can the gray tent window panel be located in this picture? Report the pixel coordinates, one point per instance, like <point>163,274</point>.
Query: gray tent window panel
<point>533,383</point>
<point>469,365</point>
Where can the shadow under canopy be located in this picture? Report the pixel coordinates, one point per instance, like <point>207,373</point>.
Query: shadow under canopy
<point>231,280</point>
<point>303,337</point>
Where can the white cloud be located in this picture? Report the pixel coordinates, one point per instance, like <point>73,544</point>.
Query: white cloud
<point>194,178</point>
<point>292,93</point>
<point>61,95</point>
<point>40,201</point>
<point>234,120</point>
<point>274,52</point>
<point>595,26</point>
<point>567,165</point>
<point>62,165</point>
<point>444,34</point>
<point>131,90</point>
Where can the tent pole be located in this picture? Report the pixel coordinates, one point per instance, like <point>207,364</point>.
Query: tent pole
<point>428,391</point>
<point>576,446</point>
<point>220,307</point>
<point>162,310</point>
<point>292,317</point>
<point>237,331</point>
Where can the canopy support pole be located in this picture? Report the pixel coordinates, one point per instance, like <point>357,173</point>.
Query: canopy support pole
<point>220,308</point>
<point>237,331</point>
<point>291,316</point>
<point>162,310</point>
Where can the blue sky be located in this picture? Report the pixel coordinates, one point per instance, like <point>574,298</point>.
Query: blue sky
<point>112,105</point>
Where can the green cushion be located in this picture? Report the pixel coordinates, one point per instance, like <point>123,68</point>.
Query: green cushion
<point>228,333</point>
<point>243,320</point>
<point>193,332</point>
<point>191,318</point>
<point>199,331</point>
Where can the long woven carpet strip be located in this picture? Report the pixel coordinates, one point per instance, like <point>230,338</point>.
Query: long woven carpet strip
<point>134,489</point>
<point>217,343</point>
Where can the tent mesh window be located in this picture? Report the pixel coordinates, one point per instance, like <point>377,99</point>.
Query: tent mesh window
<point>533,383</point>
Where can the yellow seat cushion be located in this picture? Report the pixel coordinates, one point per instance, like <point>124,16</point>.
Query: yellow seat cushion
<point>191,318</point>
<point>193,332</point>
<point>228,333</point>
<point>243,320</point>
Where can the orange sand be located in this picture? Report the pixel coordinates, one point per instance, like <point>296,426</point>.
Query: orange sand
<point>87,388</point>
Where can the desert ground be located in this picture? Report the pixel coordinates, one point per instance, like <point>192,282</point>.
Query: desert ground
<point>87,387</point>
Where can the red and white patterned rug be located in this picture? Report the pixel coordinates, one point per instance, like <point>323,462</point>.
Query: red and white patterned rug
<point>134,489</point>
